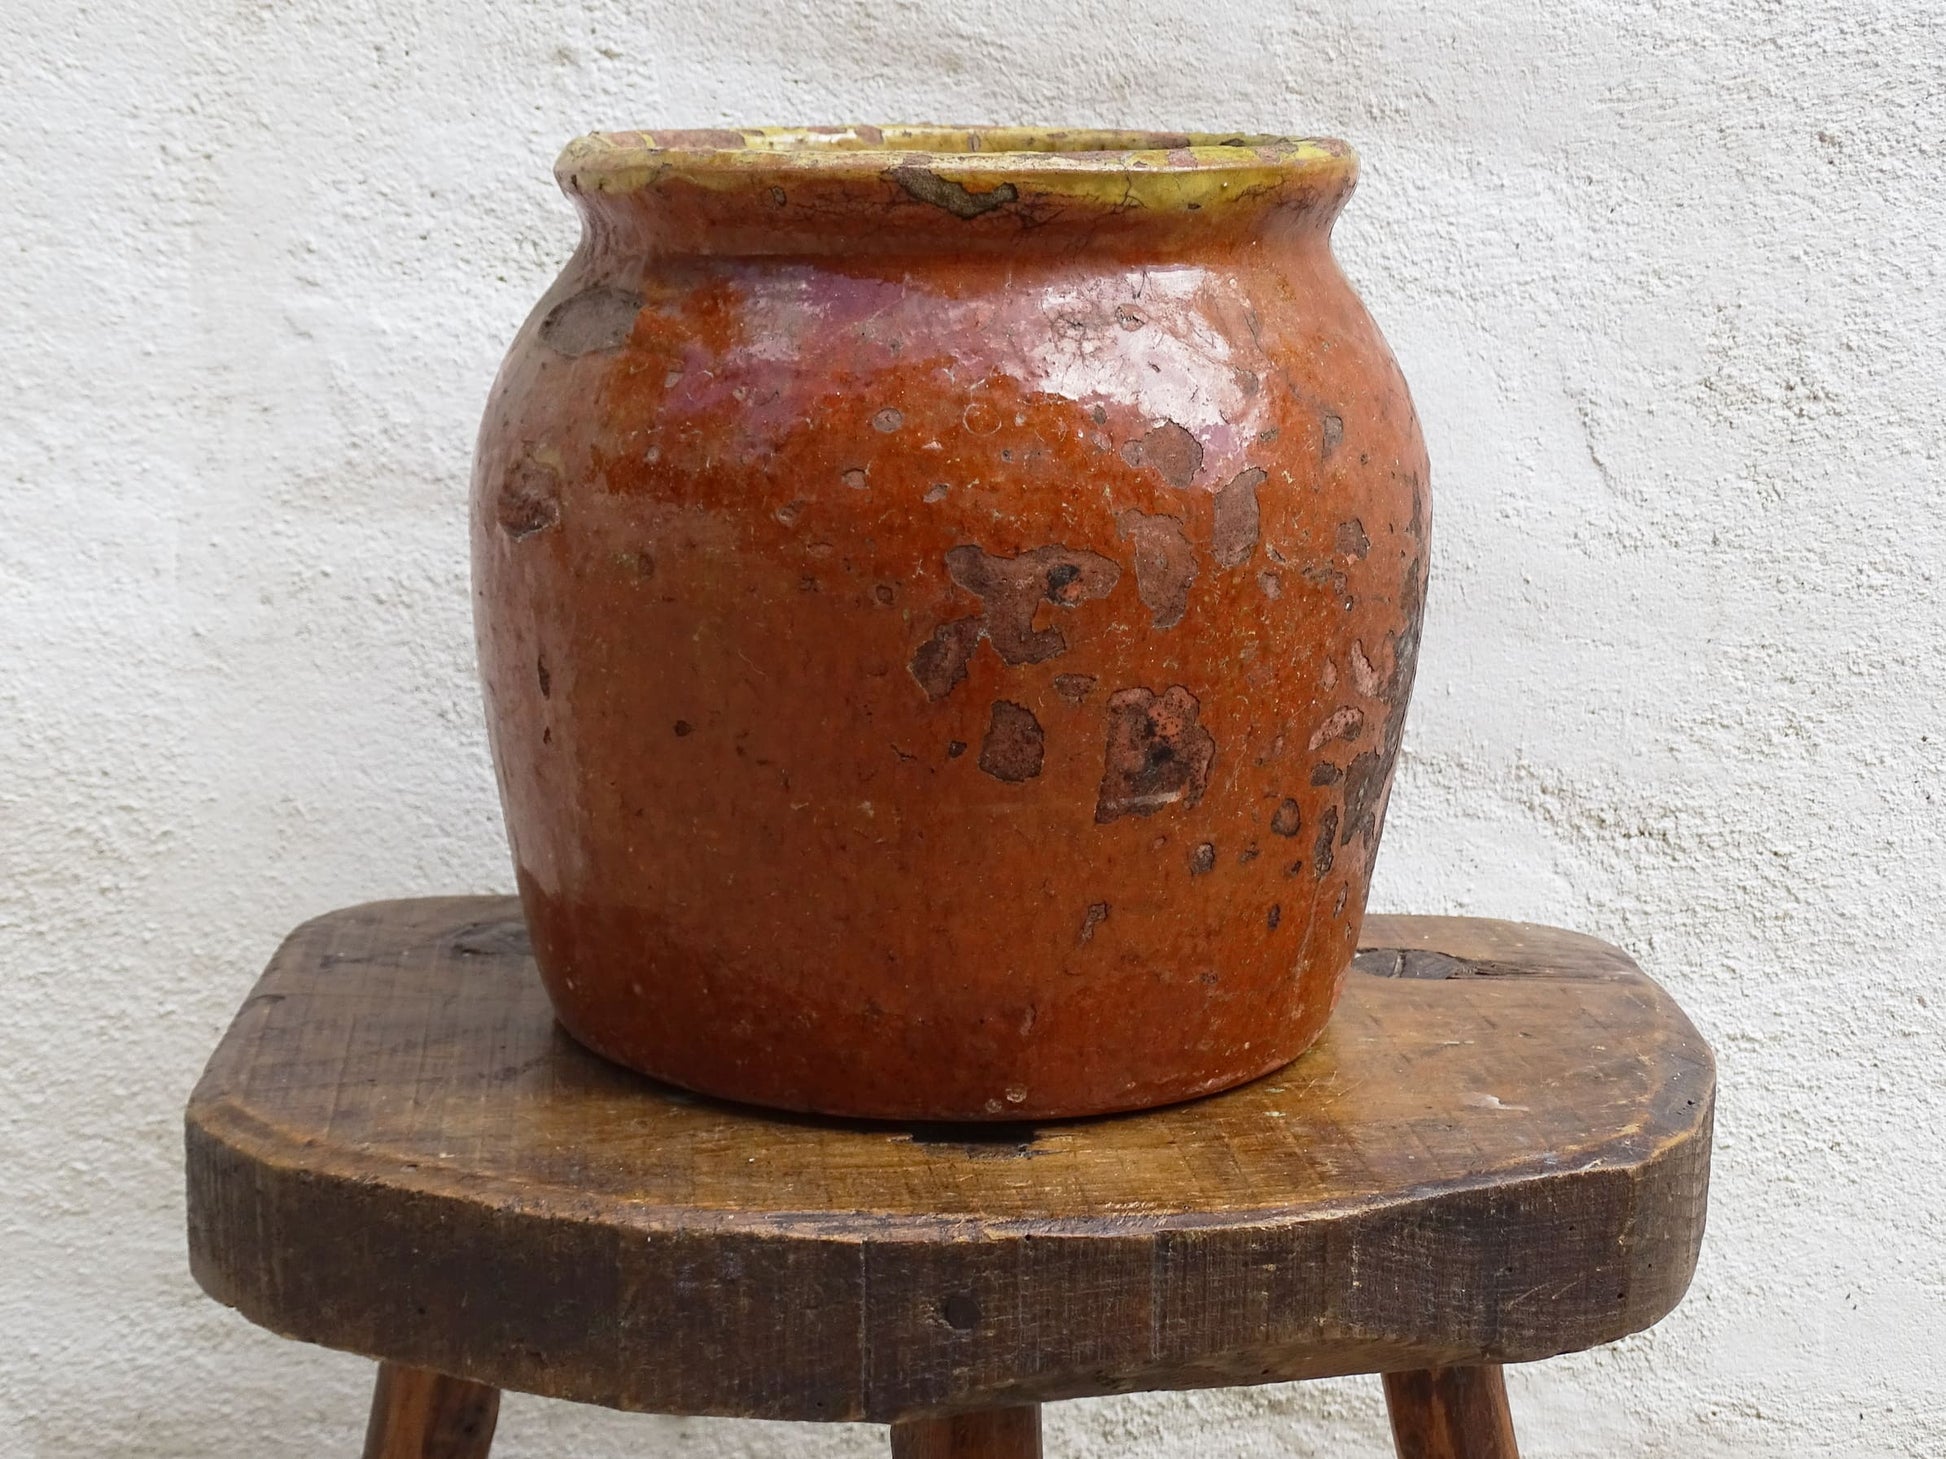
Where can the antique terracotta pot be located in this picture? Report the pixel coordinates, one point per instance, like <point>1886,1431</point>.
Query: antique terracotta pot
<point>947,600</point>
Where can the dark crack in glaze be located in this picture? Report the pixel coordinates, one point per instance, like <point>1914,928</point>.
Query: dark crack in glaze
<point>1238,522</point>
<point>1157,754</point>
<point>939,664</point>
<point>1165,563</point>
<point>529,500</point>
<point>942,192</point>
<point>1014,747</point>
<point>1013,588</point>
<point>1170,451</point>
<point>596,319</point>
<point>1274,916</point>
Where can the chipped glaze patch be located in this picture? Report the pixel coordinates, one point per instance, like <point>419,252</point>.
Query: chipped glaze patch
<point>1169,450</point>
<point>1237,520</point>
<point>529,499</point>
<point>940,662</point>
<point>1013,588</point>
<point>1157,754</point>
<point>1165,563</point>
<point>1014,747</point>
<point>594,320</point>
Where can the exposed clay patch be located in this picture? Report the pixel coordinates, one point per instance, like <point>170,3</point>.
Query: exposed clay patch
<point>940,662</point>
<point>942,192</point>
<point>1271,584</point>
<point>1287,819</point>
<point>1248,854</point>
<point>1013,588</point>
<point>885,594</point>
<point>1364,678</point>
<point>1365,780</point>
<point>955,748</point>
<point>1156,755</point>
<point>1405,650</point>
<point>601,318</point>
<point>1369,776</point>
<point>1165,564</point>
<point>1202,861</point>
<point>888,420</point>
<point>1325,773</point>
<point>1237,520</point>
<point>1333,433</point>
<point>1323,852</point>
<point>936,492</point>
<point>1324,575</point>
<point>1096,914</point>
<point>855,478</point>
<point>1074,687</point>
<point>1352,539</point>
<point>529,500</point>
<point>1345,723</point>
<point>1170,450</point>
<point>1014,746</point>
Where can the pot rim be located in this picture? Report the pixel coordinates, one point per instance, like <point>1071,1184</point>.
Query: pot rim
<point>964,167</point>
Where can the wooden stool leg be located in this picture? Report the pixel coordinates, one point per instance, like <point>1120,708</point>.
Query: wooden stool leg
<point>1451,1413</point>
<point>996,1433</point>
<point>421,1415</point>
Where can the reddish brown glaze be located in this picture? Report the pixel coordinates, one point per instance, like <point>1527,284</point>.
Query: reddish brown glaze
<point>947,606</point>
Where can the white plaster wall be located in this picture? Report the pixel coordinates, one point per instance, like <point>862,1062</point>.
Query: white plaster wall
<point>1667,280</point>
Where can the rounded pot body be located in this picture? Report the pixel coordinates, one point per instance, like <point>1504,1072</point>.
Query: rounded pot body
<point>947,603</point>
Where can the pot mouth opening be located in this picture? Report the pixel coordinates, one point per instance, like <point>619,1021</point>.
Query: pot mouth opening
<point>1079,162</point>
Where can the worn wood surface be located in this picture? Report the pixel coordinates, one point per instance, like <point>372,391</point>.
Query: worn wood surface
<point>1498,1151</point>
<point>993,1433</point>
<point>421,1415</point>
<point>1451,1413</point>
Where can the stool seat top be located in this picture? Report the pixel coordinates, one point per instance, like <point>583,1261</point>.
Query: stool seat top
<point>1498,1151</point>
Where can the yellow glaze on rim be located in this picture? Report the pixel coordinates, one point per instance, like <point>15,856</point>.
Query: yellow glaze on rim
<point>1152,170</point>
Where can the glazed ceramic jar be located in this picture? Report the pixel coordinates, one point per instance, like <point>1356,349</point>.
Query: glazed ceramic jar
<point>947,601</point>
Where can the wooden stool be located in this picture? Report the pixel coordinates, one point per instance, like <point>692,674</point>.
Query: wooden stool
<point>1498,1152</point>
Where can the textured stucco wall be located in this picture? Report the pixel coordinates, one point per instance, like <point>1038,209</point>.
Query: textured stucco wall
<point>1667,281</point>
